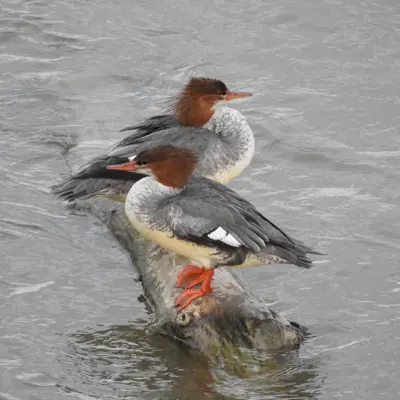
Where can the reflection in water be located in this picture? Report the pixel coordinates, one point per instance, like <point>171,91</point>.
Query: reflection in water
<point>126,361</point>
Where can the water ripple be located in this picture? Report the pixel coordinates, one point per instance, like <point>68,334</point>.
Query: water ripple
<point>6,396</point>
<point>325,78</point>
<point>14,57</point>
<point>29,288</point>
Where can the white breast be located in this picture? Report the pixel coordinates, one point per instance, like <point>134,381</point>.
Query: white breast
<point>233,129</point>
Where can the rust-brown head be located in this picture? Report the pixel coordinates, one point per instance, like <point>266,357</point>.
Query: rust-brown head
<point>172,166</point>
<point>196,103</point>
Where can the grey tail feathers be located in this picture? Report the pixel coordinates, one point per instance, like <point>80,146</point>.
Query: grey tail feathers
<point>309,250</point>
<point>295,255</point>
<point>95,178</point>
<point>73,189</point>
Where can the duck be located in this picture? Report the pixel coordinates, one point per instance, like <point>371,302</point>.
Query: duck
<point>203,220</point>
<point>198,119</point>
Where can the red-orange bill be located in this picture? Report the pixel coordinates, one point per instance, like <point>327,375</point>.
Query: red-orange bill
<point>236,95</point>
<point>129,166</point>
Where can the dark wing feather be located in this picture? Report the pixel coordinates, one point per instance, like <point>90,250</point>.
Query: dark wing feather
<point>275,234</point>
<point>196,139</point>
<point>149,126</point>
<point>206,205</point>
<point>192,218</point>
<point>75,187</point>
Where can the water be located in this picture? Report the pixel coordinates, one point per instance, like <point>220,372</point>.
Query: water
<point>325,114</point>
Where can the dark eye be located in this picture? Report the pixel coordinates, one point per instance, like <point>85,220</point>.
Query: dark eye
<point>141,163</point>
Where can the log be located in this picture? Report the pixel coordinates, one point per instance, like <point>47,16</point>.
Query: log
<point>219,324</point>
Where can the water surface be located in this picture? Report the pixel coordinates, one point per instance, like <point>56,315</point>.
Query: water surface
<point>325,114</point>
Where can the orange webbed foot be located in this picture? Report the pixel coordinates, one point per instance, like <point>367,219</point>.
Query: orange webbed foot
<point>188,274</point>
<point>188,296</point>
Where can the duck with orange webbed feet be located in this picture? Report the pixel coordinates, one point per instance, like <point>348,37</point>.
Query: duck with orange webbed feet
<point>202,220</point>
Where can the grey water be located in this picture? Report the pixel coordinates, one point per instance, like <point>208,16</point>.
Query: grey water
<point>325,112</point>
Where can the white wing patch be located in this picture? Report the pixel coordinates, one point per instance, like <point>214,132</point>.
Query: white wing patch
<point>223,236</point>
<point>131,158</point>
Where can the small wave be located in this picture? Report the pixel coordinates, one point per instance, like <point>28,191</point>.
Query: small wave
<point>63,37</point>
<point>41,75</point>
<point>308,91</point>
<point>6,396</point>
<point>12,57</point>
<point>329,192</point>
<point>22,224</point>
<point>380,154</point>
<point>26,288</point>
<point>36,379</point>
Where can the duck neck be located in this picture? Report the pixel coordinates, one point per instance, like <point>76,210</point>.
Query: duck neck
<point>193,111</point>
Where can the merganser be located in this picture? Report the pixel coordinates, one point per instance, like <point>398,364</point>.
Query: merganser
<point>220,136</point>
<point>202,220</point>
